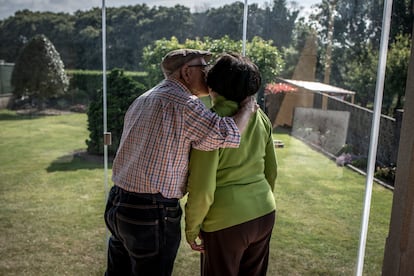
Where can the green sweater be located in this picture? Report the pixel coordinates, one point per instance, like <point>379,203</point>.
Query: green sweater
<point>227,187</point>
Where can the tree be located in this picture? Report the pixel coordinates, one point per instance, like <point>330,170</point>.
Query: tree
<point>122,91</point>
<point>229,17</point>
<point>39,72</point>
<point>402,18</point>
<point>362,71</point>
<point>77,36</point>
<point>396,74</point>
<point>345,29</point>
<point>131,28</point>
<point>266,56</point>
<point>355,43</point>
<point>279,23</point>
<point>361,76</point>
<point>152,56</point>
<point>88,39</point>
<point>16,31</point>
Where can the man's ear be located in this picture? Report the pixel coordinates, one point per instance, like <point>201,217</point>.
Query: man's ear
<point>185,73</point>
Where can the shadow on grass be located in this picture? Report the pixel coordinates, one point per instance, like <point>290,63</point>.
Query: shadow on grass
<point>16,116</point>
<point>32,113</point>
<point>79,160</point>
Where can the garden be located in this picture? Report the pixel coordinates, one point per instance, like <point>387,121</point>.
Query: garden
<point>52,198</point>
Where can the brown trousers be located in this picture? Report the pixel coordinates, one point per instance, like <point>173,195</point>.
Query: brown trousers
<point>239,250</point>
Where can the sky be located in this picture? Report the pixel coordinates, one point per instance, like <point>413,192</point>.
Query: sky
<point>9,7</point>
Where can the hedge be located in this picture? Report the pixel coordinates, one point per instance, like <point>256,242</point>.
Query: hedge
<point>83,84</point>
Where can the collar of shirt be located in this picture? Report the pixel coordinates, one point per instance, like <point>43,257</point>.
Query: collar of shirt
<point>180,84</point>
<point>224,107</point>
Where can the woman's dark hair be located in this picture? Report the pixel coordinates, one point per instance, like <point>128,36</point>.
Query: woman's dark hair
<point>235,77</point>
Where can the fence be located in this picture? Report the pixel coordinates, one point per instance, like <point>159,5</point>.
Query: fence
<point>358,127</point>
<point>6,70</point>
<point>359,130</point>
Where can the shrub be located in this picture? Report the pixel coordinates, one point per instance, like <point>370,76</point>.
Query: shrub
<point>386,174</point>
<point>121,92</point>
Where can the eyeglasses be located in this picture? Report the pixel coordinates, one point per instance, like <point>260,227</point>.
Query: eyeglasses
<point>204,67</point>
<point>198,65</point>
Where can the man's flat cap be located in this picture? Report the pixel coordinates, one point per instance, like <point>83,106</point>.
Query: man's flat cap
<point>177,58</point>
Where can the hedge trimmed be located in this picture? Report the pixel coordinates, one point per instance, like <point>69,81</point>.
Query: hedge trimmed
<point>83,84</point>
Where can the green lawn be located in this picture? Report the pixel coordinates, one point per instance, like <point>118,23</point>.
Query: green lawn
<point>51,206</point>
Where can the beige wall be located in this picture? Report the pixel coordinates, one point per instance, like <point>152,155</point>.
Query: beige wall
<point>301,98</point>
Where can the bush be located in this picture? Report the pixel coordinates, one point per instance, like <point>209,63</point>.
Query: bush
<point>121,92</point>
<point>386,174</point>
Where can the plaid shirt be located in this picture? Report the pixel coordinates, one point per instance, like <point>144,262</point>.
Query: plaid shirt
<point>160,128</point>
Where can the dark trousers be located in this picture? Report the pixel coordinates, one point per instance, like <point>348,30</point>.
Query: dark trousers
<point>145,232</point>
<point>239,250</point>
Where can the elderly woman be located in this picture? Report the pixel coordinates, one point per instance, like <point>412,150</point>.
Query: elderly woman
<point>230,204</point>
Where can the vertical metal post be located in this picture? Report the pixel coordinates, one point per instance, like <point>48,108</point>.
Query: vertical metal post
<point>246,7</point>
<point>106,134</point>
<point>105,127</point>
<point>386,22</point>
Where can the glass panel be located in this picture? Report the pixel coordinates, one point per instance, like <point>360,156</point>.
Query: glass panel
<point>318,60</point>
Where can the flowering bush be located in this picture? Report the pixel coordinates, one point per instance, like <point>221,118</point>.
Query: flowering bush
<point>274,88</point>
<point>386,174</point>
<point>344,159</point>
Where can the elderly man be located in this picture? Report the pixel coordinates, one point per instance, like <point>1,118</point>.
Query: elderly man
<point>150,168</point>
